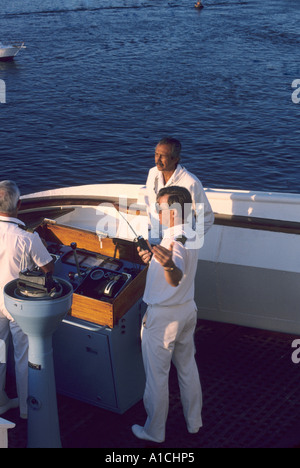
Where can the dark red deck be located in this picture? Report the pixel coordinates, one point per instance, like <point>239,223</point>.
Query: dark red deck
<point>251,391</point>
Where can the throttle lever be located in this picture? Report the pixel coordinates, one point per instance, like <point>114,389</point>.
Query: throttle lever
<point>110,285</point>
<point>73,246</point>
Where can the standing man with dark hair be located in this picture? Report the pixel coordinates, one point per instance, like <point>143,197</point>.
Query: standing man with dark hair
<point>19,250</point>
<point>170,320</point>
<point>167,172</point>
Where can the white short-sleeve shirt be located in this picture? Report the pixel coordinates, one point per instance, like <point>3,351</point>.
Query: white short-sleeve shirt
<point>157,290</point>
<point>183,178</point>
<point>19,250</point>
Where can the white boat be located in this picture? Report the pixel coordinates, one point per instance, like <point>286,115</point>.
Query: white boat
<point>249,265</point>
<point>248,276</point>
<point>10,50</point>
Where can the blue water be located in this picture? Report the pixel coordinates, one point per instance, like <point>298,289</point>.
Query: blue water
<point>101,81</point>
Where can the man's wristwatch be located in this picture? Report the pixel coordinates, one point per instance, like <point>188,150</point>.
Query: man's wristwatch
<point>169,268</point>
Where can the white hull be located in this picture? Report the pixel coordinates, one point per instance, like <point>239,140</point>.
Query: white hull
<point>8,52</point>
<point>249,266</point>
<point>251,276</point>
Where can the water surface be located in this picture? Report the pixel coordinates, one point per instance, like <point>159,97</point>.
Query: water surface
<point>101,81</point>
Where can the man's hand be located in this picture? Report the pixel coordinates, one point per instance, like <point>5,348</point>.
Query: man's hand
<point>164,256</point>
<point>145,255</point>
<point>49,268</point>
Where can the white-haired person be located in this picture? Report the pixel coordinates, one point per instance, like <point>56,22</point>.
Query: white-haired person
<point>19,250</point>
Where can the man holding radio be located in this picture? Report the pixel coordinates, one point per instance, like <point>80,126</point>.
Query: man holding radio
<point>169,323</point>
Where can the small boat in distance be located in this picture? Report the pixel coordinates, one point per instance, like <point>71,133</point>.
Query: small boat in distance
<point>9,50</point>
<point>198,5</point>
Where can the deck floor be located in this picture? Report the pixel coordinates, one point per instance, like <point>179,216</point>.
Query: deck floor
<point>251,392</point>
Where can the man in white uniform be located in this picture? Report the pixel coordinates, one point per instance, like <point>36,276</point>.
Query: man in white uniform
<point>168,172</point>
<point>19,250</point>
<point>169,323</point>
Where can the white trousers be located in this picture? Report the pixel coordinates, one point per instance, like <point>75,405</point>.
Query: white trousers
<point>168,335</point>
<point>20,344</point>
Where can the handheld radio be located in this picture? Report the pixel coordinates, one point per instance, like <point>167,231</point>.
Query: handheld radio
<point>139,240</point>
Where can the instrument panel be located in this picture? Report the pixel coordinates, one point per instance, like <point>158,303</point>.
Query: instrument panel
<point>92,274</point>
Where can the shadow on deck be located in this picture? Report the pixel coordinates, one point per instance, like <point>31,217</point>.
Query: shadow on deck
<point>250,391</point>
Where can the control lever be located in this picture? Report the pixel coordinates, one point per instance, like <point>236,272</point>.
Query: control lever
<point>110,285</point>
<point>73,246</point>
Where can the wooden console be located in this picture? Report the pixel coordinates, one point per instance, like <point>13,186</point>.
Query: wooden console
<point>86,308</point>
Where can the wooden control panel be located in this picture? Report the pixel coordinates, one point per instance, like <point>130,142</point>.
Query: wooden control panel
<point>115,254</point>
